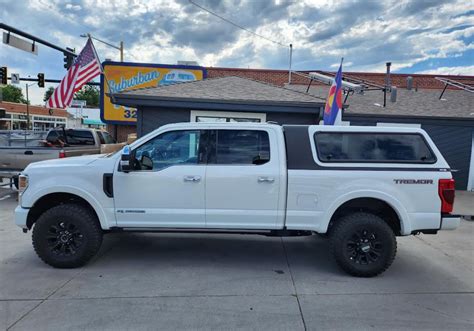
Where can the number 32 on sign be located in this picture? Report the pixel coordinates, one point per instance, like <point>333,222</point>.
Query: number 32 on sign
<point>129,112</point>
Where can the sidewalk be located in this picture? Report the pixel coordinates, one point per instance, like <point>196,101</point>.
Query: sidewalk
<point>464,203</point>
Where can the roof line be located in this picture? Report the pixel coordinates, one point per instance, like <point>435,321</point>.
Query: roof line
<point>404,116</point>
<point>347,72</point>
<point>226,101</point>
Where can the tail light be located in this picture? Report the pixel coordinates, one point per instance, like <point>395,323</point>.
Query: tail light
<point>446,194</point>
<point>62,154</point>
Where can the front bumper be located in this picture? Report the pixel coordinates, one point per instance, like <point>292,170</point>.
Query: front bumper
<point>21,215</point>
<point>450,222</point>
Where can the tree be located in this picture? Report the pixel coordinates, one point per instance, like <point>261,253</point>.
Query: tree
<point>90,94</point>
<point>12,93</point>
<point>48,93</point>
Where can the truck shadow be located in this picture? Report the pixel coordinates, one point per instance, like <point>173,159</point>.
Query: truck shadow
<point>307,260</point>
<point>226,249</point>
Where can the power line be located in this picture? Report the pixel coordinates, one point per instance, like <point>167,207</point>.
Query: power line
<point>237,25</point>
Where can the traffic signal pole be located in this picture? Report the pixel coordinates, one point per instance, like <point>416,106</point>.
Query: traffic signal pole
<point>51,81</point>
<point>36,39</point>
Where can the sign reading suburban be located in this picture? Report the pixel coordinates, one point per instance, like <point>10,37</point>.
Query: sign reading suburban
<point>124,76</point>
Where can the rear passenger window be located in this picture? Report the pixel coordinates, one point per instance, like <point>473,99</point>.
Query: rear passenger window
<point>79,137</point>
<point>372,147</point>
<point>244,147</point>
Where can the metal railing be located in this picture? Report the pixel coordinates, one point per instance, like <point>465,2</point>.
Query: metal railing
<point>21,138</point>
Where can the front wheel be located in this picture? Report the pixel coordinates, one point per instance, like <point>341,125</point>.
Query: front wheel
<point>67,236</point>
<point>363,244</point>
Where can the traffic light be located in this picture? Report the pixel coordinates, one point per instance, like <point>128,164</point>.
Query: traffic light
<point>41,79</point>
<point>68,59</point>
<point>3,75</point>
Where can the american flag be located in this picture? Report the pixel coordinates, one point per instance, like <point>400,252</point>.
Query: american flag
<point>85,68</point>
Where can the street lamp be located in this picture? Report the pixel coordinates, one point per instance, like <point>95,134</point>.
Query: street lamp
<point>120,48</point>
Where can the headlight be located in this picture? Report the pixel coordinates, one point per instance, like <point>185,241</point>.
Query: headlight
<point>22,183</point>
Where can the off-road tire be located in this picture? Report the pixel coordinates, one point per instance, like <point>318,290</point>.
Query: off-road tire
<point>67,236</point>
<point>363,255</point>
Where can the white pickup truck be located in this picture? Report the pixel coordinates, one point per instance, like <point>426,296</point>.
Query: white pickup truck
<point>360,186</point>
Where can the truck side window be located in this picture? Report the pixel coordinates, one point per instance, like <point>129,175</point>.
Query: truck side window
<point>52,137</point>
<point>108,138</point>
<point>244,147</point>
<point>363,147</point>
<point>168,149</point>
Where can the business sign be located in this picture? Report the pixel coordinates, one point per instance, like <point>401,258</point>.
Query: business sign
<point>124,76</point>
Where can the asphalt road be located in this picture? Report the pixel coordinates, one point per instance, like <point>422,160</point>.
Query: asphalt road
<point>174,281</point>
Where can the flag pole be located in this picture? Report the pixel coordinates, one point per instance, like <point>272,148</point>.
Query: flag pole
<point>342,105</point>
<point>102,69</point>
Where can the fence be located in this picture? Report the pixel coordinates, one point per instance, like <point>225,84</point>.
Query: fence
<point>21,138</point>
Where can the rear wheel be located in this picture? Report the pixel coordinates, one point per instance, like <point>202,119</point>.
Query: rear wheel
<point>67,236</point>
<point>363,244</point>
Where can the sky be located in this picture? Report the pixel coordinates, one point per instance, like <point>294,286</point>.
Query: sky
<point>419,36</point>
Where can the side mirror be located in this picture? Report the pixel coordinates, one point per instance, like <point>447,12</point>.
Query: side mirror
<point>126,159</point>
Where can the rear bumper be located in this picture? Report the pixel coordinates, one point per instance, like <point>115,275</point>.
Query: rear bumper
<point>21,215</point>
<point>450,222</point>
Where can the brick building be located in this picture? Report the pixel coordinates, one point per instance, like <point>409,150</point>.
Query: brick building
<point>41,118</point>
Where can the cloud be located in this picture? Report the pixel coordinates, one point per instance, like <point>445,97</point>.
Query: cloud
<point>415,35</point>
<point>460,70</point>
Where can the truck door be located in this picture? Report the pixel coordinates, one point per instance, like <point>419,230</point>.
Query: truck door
<point>166,187</point>
<point>243,179</point>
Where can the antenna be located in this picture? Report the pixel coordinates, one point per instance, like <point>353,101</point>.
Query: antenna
<point>455,83</point>
<point>350,83</point>
<point>328,80</point>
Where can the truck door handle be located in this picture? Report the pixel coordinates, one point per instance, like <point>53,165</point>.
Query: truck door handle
<point>28,153</point>
<point>263,179</point>
<point>193,179</point>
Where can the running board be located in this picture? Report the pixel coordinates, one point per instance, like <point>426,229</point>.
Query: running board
<point>268,233</point>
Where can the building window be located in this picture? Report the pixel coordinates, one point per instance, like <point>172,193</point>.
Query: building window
<point>226,117</point>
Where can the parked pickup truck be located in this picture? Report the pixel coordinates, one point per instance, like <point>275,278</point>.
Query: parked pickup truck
<point>59,143</point>
<point>359,186</point>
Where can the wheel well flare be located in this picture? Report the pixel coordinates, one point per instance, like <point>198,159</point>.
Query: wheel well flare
<point>51,200</point>
<point>370,205</point>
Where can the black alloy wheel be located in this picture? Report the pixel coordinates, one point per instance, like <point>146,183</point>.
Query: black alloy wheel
<point>67,235</point>
<point>363,244</point>
<point>364,247</point>
<point>64,238</point>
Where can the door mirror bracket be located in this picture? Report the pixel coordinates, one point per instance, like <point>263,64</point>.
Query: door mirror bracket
<point>126,159</point>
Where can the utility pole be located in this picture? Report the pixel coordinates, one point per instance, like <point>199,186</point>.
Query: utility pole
<point>27,108</point>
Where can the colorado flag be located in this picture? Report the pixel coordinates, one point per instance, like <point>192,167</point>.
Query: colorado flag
<point>333,109</point>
